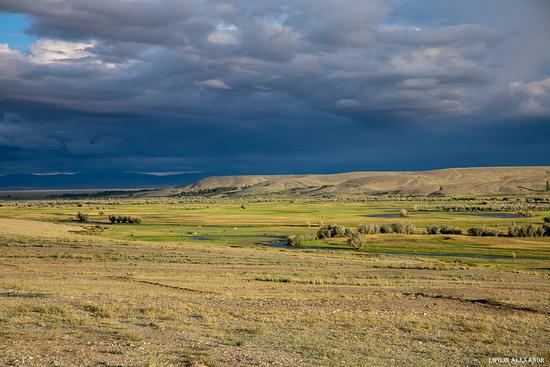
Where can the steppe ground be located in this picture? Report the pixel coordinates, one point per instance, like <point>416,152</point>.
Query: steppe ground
<point>193,286</point>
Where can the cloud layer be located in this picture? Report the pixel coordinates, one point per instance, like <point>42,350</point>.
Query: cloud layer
<point>106,77</point>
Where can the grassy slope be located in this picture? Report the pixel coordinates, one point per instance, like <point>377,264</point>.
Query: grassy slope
<point>454,181</point>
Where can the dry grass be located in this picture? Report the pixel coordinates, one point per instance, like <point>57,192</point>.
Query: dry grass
<point>82,300</point>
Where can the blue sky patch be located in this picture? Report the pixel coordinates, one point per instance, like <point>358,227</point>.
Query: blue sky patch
<point>12,31</point>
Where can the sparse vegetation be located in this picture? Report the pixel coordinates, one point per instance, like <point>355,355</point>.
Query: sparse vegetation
<point>81,217</point>
<point>208,192</point>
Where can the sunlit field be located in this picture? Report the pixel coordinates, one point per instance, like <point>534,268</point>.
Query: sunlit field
<point>211,282</point>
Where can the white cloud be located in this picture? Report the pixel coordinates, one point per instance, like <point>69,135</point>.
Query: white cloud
<point>53,173</point>
<point>46,51</point>
<point>214,84</point>
<point>5,50</point>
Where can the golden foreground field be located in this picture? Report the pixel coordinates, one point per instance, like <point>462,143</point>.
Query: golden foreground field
<point>70,299</point>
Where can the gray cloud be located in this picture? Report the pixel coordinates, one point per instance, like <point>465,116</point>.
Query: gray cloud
<point>16,132</point>
<point>146,55</point>
<point>180,70</point>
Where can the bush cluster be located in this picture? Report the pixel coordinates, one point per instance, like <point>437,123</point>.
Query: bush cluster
<point>432,230</point>
<point>124,219</point>
<point>403,213</point>
<point>449,230</point>
<point>368,228</point>
<point>81,217</point>
<point>403,228</point>
<point>482,232</point>
<point>331,231</point>
<point>298,240</point>
<point>528,230</point>
<point>486,207</point>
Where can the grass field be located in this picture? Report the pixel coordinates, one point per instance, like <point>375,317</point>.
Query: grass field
<point>195,285</point>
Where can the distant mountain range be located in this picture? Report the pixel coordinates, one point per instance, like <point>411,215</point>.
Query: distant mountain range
<point>444,182</point>
<point>99,180</point>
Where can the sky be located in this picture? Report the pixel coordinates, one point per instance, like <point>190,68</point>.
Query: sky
<point>257,87</point>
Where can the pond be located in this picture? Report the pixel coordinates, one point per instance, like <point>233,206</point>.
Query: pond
<point>384,215</point>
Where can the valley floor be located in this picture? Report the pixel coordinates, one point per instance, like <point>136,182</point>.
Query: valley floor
<point>69,299</point>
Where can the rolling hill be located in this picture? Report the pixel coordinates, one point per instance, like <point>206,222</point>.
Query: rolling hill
<point>443,182</point>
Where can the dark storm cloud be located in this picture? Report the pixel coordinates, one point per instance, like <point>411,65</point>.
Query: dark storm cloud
<point>212,83</point>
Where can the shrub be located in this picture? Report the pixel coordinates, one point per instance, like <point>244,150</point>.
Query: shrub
<point>449,230</point>
<point>81,217</point>
<point>296,240</point>
<point>134,220</point>
<point>404,228</point>
<point>546,229</point>
<point>331,230</point>
<point>546,219</point>
<point>475,231</point>
<point>348,232</point>
<point>482,232</point>
<point>125,219</point>
<point>403,213</point>
<point>432,230</point>
<point>386,228</point>
<point>356,240</point>
<point>368,228</point>
<point>528,230</point>
<point>362,228</point>
<point>489,232</point>
<point>526,213</point>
